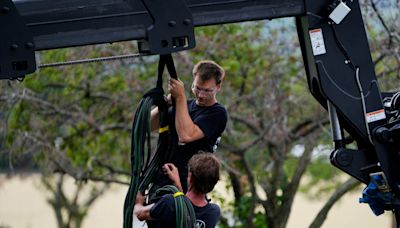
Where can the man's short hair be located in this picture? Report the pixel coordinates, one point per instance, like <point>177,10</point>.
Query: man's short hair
<point>207,69</point>
<point>205,169</point>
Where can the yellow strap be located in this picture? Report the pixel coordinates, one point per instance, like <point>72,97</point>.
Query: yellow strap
<point>162,129</point>
<point>176,194</point>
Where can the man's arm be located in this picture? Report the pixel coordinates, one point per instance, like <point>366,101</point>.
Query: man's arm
<point>155,114</point>
<point>186,129</point>
<point>155,119</point>
<point>142,212</point>
<point>173,174</point>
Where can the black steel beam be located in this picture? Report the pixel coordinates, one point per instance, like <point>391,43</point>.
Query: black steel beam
<point>66,23</point>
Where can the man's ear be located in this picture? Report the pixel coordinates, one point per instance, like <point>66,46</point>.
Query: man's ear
<point>190,177</point>
<point>219,87</point>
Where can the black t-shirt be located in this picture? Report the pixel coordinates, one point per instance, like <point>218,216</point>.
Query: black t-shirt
<point>164,213</point>
<point>212,121</point>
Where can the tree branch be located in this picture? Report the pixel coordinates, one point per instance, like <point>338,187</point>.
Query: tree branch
<point>64,165</point>
<point>254,196</point>
<point>305,128</point>
<point>323,213</point>
<point>110,168</point>
<point>291,190</point>
<point>383,24</point>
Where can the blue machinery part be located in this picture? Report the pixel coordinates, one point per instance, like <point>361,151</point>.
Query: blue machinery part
<point>378,194</point>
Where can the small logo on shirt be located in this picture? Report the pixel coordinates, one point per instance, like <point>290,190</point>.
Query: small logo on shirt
<point>215,147</point>
<point>200,224</point>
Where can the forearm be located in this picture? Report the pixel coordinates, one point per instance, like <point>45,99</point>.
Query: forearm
<point>178,185</point>
<point>143,212</point>
<point>155,119</point>
<point>184,125</point>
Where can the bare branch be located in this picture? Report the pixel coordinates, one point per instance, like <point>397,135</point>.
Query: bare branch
<point>47,105</point>
<point>229,168</point>
<point>249,122</point>
<point>389,71</point>
<point>64,165</point>
<point>110,168</point>
<point>307,127</point>
<point>391,37</point>
<point>323,213</point>
<point>380,58</point>
<point>104,180</point>
<point>244,146</point>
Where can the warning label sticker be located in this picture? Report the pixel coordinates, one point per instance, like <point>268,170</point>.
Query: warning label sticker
<point>317,41</point>
<point>375,116</point>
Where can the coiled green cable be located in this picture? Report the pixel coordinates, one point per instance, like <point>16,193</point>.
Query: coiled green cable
<point>145,164</point>
<point>185,216</point>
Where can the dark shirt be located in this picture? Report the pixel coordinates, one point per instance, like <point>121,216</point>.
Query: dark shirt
<point>212,121</point>
<point>164,213</point>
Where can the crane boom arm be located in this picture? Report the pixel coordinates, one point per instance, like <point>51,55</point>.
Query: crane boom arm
<point>66,23</point>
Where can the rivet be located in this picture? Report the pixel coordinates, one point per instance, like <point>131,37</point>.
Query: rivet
<point>171,23</point>
<point>29,45</point>
<point>187,22</point>
<point>14,47</point>
<point>5,9</point>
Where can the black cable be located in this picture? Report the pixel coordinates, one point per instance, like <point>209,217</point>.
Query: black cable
<point>342,48</point>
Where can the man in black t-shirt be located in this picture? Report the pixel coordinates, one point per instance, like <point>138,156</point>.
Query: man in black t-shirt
<point>204,172</point>
<point>198,123</point>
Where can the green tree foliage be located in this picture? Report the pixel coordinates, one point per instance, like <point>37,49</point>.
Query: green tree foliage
<point>76,120</point>
<point>270,112</point>
<point>382,19</point>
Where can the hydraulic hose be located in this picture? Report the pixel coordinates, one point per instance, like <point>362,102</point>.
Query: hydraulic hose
<point>184,212</point>
<point>145,164</point>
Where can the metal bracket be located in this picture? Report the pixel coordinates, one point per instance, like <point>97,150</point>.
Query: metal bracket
<point>356,163</point>
<point>172,29</point>
<point>386,141</point>
<point>17,50</point>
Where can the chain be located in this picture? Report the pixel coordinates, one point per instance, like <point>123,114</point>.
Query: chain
<point>91,60</point>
